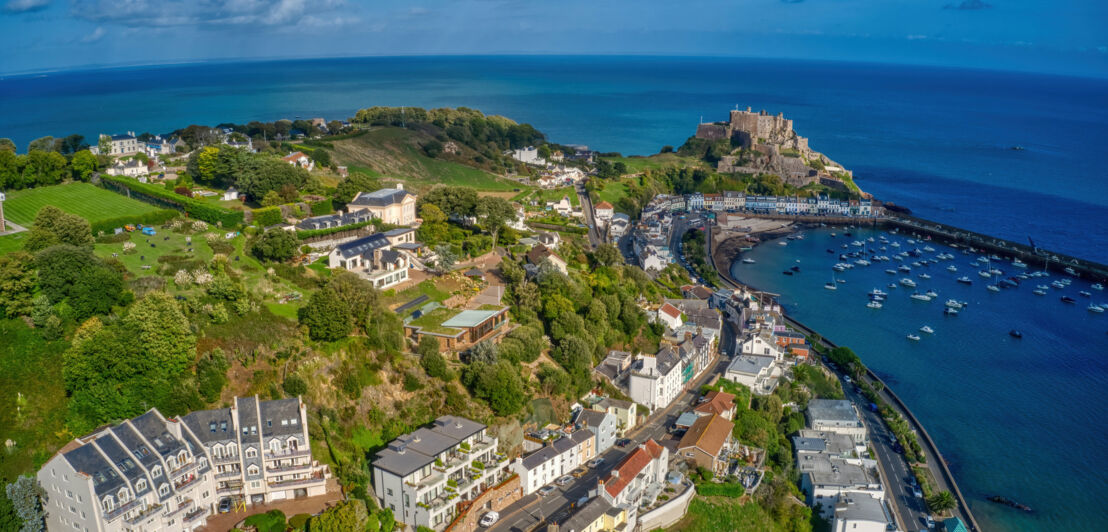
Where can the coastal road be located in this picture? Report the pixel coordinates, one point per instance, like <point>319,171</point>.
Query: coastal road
<point>532,510</point>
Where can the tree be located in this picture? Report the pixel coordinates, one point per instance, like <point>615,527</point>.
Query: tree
<point>272,199</point>
<point>484,353</point>
<point>41,144</point>
<point>11,169</point>
<point>54,226</point>
<point>941,502</point>
<point>326,316</point>
<point>354,183</point>
<point>494,212</point>
<point>44,168</point>
<point>9,519</point>
<point>295,385</point>
<point>6,144</point>
<point>454,201</point>
<point>17,284</point>
<point>26,496</point>
<point>344,517</point>
<point>544,151</point>
<point>71,144</point>
<point>321,157</point>
<point>79,278</point>
<point>444,258</point>
<point>104,145</point>
<point>435,365</point>
<point>163,332</point>
<point>84,163</point>
<point>276,245</point>
<point>607,255</point>
<point>431,214</point>
<point>264,174</point>
<point>498,384</point>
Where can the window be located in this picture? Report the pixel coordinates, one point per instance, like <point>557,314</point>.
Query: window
<point>217,450</point>
<point>284,422</point>
<point>157,471</point>
<point>252,470</point>
<point>124,495</point>
<point>293,421</point>
<point>255,484</point>
<point>172,463</point>
<point>274,445</point>
<point>223,426</point>
<point>140,485</point>
<point>163,490</point>
<point>211,426</point>
<point>251,452</point>
<point>269,422</point>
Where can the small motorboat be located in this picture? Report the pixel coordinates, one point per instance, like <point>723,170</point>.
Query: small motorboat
<point>1015,334</point>
<point>782,243</point>
<point>932,293</point>
<point>795,268</point>
<point>950,311</point>
<point>927,329</point>
<point>924,276</point>
<point>1098,286</point>
<point>952,268</point>
<point>1084,293</point>
<point>1070,271</point>
<point>878,292</point>
<point>965,280</point>
<point>877,304</point>
<point>908,282</point>
<point>913,337</point>
<point>831,286</point>
<point>954,304</point>
<point>993,288</point>
<point>748,261</point>
<point>892,286</point>
<point>890,272</point>
<point>1039,292</point>
<point>905,269</point>
<point>984,274</point>
<point>1019,263</point>
<point>1068,299</point>
<point>787,272</point>
<point>1096,308</point>
<point>920,297</point>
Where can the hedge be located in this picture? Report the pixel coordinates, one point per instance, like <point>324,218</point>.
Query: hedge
<point>267,216</point>
<point>321,207</point>
<point>151,218</point>
<point>711,489</point>
<point>304,235</point>
<point>161,196</point>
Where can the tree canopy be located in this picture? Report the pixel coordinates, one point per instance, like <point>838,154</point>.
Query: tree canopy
<point>54,226</point>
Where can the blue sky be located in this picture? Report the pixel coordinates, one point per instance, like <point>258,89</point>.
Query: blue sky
<point>1065,37</point>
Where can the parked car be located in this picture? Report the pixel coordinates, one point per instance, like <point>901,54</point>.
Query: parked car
<point>562,481</point>
<point>928,521</point>
<point>595,462</point>
<point>489,519</point>
<point>545,490</point>
<point>224,505</point>
<point>579,472</point>
<point>916,492</point>
<point>623,442</point>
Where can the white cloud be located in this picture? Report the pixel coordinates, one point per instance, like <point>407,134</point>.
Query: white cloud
<point>96,35</point>
<point>206,12</point>
<point>25,6</point>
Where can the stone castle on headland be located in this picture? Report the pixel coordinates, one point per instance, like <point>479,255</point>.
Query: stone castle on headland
<point>767,144</point>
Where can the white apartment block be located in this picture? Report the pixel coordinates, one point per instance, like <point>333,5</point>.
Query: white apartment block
<point>153,473</point>
<point>838,416</point>
<point>656,380</point>
<point>423,476</point>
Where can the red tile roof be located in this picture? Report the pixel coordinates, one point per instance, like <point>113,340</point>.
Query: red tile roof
<point>604,205</point>
<point>631,466</point>
<point>717,403</point>
<point>293,156</point>
<point>670,310</point>
<point>708,434</point>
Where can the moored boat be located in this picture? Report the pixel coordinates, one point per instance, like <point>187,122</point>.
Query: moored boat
<point>965,280</point>
<point>927,329</point>
<point>913,337</point>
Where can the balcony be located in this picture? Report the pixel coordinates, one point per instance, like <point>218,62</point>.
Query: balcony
<point>225,458</point>
<point>286,453</point>
<point>315,479</point>
<point>195,514</point>
<point>185,505</point>
<point>143,515</point>
<point>187,481</point>
<point>228,474</point>
<point>290,468</point>
<point>184,468</point>
<point>120,510</point>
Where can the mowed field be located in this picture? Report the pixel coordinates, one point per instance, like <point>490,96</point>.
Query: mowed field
<point>85,200</point>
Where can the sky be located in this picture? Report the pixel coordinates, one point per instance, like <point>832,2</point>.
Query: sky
<point>1048,36</point>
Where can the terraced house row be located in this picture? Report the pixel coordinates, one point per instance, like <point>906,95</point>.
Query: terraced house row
<point>156,473</point>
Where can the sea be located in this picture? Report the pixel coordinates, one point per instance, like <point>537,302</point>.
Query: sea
<point>1022,417</point>
<point>1015,418</point>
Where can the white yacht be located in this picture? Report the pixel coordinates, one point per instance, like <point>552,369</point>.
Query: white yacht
<point>927,329</point>
<point>908,282</point>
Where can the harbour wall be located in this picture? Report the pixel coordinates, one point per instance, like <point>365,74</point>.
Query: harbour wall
<point>948,477</point>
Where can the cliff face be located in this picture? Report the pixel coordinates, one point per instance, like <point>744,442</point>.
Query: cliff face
<point>769,145</point>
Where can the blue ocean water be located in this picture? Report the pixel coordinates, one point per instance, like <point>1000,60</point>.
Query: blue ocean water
<point>936,140</point>
<point>1022,418</point>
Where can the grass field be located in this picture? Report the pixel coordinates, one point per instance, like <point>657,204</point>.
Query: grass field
<point>10,243</point>
<point>556,194</point>
<point>612,193</point>
<point>395,152</point>
<point>654,162</point>
<point>87,201</point>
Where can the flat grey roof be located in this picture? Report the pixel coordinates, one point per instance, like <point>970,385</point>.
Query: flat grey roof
<point>827,471</point>
<point>833,410</point>
<point>809,444</point>
<point>860,507</point>
<point>750,364</point>
<point>411,452</point>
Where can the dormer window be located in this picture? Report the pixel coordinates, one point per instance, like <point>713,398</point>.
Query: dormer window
<point>157,471</point>
<point>251,453</point>
<point>124,495</point>
<point>211,426</point>
<point>172,462</point>
<point>252,470</point>
<point>140,485</point>
<point>163,490</point>
<point>109,503</point>
<point>293,421</point>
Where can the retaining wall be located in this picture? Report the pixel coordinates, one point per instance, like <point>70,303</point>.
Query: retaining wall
<point>667,514</point>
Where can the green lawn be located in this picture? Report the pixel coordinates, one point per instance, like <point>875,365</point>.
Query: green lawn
<point>613,191</point>
<point>556,194</point>
<point>425,288</point>
<point>10,243</point>
<point>144,255</point>
<point>654,162</point>
<point>432,321</point>
<point>87,201</point>
<point>32,398</point>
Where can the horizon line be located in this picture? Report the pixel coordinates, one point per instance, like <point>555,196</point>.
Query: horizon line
<point>271,59</point>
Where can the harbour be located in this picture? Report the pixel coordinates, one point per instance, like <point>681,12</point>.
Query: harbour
<point>967,378</point>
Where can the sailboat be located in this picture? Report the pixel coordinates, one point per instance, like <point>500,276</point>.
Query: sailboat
<point>993,287</point>
<point>831,285</point>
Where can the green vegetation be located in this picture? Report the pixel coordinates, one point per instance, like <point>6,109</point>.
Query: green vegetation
<point>161,195</point>
<point>719,513</point>
<point>555,195</point>
<point>692,246</point>
<point>87,201</point>
<point>634,165</point>
<point>271,521</point>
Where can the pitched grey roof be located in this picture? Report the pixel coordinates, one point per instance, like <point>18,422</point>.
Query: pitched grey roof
<point>333,220</point>
<point>88,460</point>
<point>587,515</point>
<point>276,411</point>
<point>362,245</point>
<point>211,425</point>
<point>667,360</point>
<point>411,452</point>
<point>609,402</point>
<point>133,443</point>
<point>151,426</point>
<point>380,198</point>
<point>399,231</point>
<point>248,418</point>
<point>539,457</point>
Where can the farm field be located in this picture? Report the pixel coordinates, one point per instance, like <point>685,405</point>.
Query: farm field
<point>83,199</point>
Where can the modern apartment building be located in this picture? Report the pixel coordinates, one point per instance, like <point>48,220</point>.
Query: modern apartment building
<point>423,476</point>
<point>153,473</point>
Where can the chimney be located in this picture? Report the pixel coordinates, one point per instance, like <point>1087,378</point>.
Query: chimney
<point>400,186</point>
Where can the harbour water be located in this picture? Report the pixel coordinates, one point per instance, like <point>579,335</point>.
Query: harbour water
<point>936,140</point>
<point>1022,418</point>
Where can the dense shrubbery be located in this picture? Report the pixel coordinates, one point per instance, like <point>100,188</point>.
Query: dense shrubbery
<point>267,216</point>
<point>195,208</point>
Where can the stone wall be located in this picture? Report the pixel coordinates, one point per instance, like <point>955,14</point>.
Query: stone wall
<point>712,131</point>
<point>495,499</point>
<point>669,513</point>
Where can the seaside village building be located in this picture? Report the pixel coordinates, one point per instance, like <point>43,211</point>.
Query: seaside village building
<point>394,206</point>
<point>556,458</point>
<point>424,476</point>
<point>382,258</point>
<point>154,473</point>
<point>836,471</point>
<point>639,477</point>
<point>125,144</point>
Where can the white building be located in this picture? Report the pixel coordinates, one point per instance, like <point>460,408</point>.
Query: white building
<point>825,480</point>
<point>126,144</point>
<point>860,513</point>
<point>412,475</point>
<point>394,206</point>
<point>554,460</point>
<point>299,160</point>
<point>374,257</point>
<point>231,194</point>
<point>656,380</point>
<point>603,211</point>
<point>153,473</point>
<point>528,155</point>
<point>669,315</point>
<point>131,168</point>
<point>641,472</point>
<point>618,226</point>
<point>838,416</point>
<point>759,373</point>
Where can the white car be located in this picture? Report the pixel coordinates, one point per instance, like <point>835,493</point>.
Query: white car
<point>595,462</point>
<point>489,519</point>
